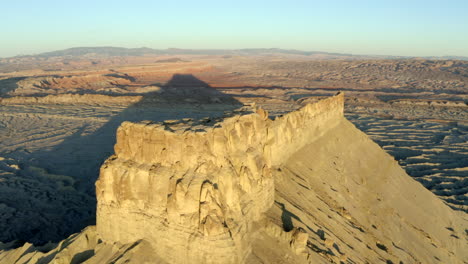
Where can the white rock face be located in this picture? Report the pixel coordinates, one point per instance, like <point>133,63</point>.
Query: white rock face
<point>193,192</point>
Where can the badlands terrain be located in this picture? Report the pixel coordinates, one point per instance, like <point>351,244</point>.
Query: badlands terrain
<point>317,189</point>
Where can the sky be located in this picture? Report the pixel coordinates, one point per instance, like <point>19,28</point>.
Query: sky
<point>377,27</point>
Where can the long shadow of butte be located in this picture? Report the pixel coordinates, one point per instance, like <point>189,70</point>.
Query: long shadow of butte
<point>80,156</point>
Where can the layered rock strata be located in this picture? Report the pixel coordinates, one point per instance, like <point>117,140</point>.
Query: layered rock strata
<point>199,190</point>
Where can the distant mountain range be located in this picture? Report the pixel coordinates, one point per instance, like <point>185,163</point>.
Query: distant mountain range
<point>118,51</point>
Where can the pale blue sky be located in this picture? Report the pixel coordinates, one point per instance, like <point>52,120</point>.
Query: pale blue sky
<point>393,27</point>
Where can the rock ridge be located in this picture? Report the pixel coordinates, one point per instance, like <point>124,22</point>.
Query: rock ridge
<point>193,191</point>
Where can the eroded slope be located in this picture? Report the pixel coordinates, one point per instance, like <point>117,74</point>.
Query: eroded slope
<point>358,205</point>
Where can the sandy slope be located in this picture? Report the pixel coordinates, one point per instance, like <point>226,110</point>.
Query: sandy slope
<point>433,152</point>
<point>345,189</point>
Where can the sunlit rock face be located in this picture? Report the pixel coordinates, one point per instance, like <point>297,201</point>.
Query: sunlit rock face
<point>197,192</point>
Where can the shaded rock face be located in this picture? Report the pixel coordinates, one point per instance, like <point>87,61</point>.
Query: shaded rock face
<point>197,195</point>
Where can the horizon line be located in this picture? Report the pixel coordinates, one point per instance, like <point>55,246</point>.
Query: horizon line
<point>245,49</point>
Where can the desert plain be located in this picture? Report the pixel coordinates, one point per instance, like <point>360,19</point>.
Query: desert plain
<point>60,113</point>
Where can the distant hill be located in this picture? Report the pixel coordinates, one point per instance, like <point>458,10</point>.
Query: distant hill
<point>122,52</point>
<point>447,58</point>
<point>118,51</point>
<point>109,51</point>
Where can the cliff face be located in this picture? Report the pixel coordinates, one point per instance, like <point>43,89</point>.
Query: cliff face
<point>191,192</point>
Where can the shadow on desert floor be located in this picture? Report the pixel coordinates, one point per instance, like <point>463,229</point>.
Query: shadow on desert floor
<point>57,185</point>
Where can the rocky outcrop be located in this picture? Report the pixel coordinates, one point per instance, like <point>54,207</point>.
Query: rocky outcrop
<point>192,189</point>
<point>429,102</point>
<point>92,99</point>
<point>54,84</point>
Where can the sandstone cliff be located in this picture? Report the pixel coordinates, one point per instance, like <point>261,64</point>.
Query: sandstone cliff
<point>192,191</point>
<point>306,187</point>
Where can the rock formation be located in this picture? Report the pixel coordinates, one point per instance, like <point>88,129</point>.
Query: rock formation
<point>71,99</point>
<point>306,187</point>
<point>193,191</point>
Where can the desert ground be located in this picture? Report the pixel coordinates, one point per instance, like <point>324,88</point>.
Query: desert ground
<point>59,115</point>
